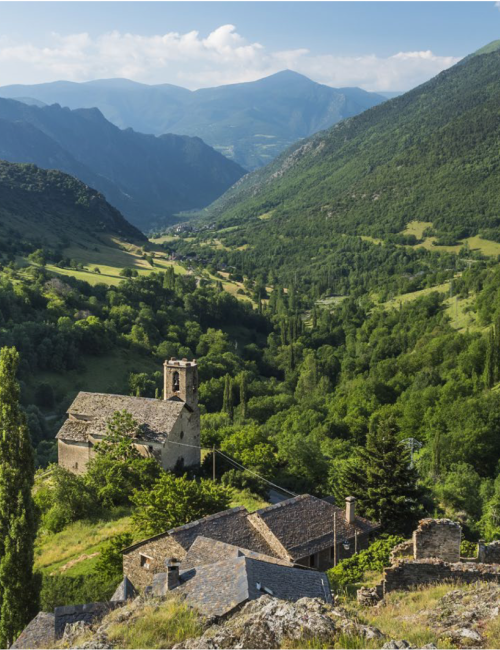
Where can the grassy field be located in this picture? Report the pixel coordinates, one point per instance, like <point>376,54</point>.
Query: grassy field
<point>75,550</point>
<point>476,243</point>
<point>73,545</point>
<point>458,309</point>
<point>104,374</point>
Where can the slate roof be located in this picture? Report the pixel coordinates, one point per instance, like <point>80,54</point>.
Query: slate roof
<point>304,524</point>
<point>209,551</point>
<point>124,591</point>
<point>90,412</point>
<point>230,526</point>
<point>217,589</point>
<point>39,633</point>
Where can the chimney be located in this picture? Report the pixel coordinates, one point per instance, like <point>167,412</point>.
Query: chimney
<point>172,574</point>
<point>350,509</point>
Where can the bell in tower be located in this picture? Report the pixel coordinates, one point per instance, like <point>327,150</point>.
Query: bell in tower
<point>181,381</point>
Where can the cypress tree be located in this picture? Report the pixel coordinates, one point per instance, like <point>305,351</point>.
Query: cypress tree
<point>18,587</point>
<point>227,404</point>
<point>243,396</point>
<point>489,366</point>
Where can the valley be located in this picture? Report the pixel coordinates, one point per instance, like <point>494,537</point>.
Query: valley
<point>204,371</point>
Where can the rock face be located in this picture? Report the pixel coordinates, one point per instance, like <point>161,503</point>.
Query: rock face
<point>268,622</point>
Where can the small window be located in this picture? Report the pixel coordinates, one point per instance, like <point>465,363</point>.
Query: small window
<point>181,435</point>
<point>332,553</point>
<point>176,385</point>
<point>312,560</point>
<point>145,561</point>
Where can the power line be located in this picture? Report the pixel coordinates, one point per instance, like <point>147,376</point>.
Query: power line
<point>234,462</point>
<point>255,474</point>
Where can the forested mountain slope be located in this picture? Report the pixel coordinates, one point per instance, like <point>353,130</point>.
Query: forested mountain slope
<point>52,208</point>
<point>147,178</point>
<point>429,155</point>
<point>250,123</point>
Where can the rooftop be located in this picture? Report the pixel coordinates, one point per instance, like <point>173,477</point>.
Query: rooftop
<point>217,589</point>
<point>90,413</point>
<point>209,551</point>
<point>304,524</point>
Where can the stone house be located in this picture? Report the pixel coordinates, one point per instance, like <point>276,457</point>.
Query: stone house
<point>167,427</point>
<point>219,588</point>
<point>300,531</point>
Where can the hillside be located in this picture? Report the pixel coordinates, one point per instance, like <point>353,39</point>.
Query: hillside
<point>251,123</point>
<point>430,155</point>
<point>147,178</point>
<point>50,208</point>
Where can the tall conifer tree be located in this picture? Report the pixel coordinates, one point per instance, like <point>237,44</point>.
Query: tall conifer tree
<point>382,480</point>
<point>18,592</point>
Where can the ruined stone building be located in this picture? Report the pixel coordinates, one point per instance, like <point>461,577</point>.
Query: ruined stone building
<point>298,532</point>
<point>162,423</point>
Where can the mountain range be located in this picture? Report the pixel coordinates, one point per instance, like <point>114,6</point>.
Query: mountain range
<point>430,155</point>
<point>147,178</point>
<point>251,123</point>
<point>55,209</point>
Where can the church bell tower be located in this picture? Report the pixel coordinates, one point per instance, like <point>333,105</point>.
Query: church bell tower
<point>180,381</point>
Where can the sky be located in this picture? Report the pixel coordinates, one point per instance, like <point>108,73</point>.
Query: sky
<point>378,46</point>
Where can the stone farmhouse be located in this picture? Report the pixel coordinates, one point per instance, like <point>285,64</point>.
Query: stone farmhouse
<point>162,423</point>
<point>298,532</point>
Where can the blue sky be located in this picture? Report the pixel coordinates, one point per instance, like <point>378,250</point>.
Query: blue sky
<point>375,45</point>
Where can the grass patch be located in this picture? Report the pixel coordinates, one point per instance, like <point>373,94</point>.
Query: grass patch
<point>156,626</point>
<point>246,498</point>
<point>106,374</point>
<point>417,228</point>
<point>266,215</point>
<point>405,614</point>
<point>53,551</point>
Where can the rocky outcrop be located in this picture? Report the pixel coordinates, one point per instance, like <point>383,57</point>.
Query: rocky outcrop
<point>269,623</point>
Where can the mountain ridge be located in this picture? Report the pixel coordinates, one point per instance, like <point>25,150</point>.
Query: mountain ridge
<point>249,122</point>
<point>147,178</point>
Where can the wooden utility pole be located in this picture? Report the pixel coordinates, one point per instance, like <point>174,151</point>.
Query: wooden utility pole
<point>334,539</point>
<point>213,463</point>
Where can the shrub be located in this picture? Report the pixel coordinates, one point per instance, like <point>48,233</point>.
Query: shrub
<point>58,590</point>
<point>175,501</point>
<point>110,562</point>
<point>374,558</point>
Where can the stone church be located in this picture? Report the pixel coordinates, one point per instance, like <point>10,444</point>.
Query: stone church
<point>163,423</point>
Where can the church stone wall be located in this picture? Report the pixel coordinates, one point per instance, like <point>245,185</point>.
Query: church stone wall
<point>438,538</point>
<point>74,456</point>
<point>141,563</point>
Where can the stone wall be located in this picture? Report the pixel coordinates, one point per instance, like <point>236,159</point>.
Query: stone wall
<point>405,549</point>
<point>489,553</point>
<point>142,562</point>
<point>74,456</point>
<point>74,613</point>
<point>406,574</point>
<point>438,538</point>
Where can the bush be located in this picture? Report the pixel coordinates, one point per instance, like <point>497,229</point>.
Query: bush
<point>468,549</point>
<point>110,562</point>
<point>374,558</point>
<point>64,498</point>
<point>175,501</point>
<point>58,590</point>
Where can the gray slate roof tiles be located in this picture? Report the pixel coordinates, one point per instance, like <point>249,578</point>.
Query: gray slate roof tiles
<point>217,589</point>
<point>39,633</point>
<point>304,524</point>
<point>208,551</point>
<point>90,412</point>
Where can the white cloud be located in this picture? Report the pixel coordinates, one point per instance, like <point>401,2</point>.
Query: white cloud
<point>224,56</point>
